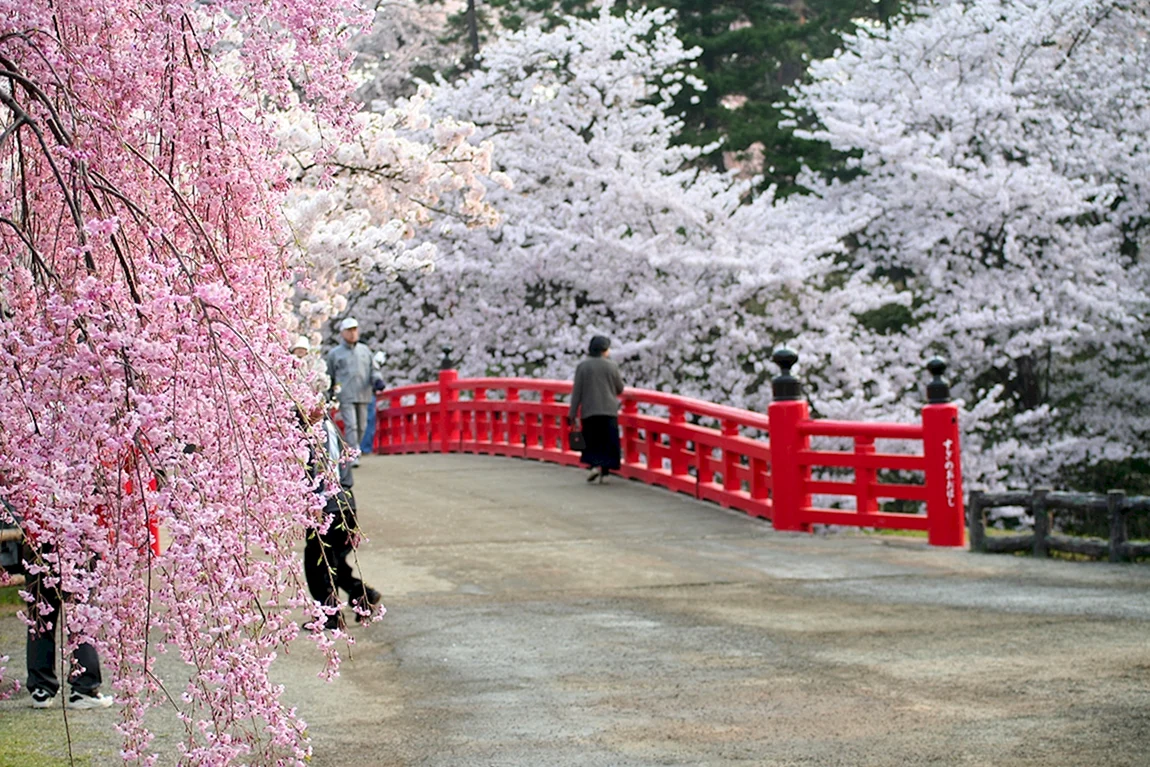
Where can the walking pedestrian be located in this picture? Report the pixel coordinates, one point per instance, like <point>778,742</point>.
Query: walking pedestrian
<point>46,608</point>
<point>354,381</point>
<point>367,445</point>
<point>326,566</point>
<point>595,401</point>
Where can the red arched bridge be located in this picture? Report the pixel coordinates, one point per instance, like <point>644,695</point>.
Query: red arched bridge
<point>761,464</point>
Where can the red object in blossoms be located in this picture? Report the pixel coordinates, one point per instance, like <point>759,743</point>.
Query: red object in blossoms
<point>142,295</point>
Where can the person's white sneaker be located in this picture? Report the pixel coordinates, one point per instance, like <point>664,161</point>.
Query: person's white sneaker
<point>42,699</point>
<point>84,700</point>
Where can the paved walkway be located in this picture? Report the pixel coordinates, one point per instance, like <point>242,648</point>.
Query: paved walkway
<point>536,620</point>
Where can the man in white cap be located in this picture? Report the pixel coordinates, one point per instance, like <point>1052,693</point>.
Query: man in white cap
<point>353,380</point>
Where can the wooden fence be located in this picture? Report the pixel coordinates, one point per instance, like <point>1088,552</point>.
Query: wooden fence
<point>1042,503</point>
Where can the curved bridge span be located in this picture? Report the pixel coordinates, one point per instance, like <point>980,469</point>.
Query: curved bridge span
<point>763,464</point>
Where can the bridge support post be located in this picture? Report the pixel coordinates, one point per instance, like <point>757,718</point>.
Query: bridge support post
<point>448,423</point>
<point>940,447</point>
<point>788,475</point>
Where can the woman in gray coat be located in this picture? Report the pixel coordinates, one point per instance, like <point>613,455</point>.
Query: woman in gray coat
<point>595,399</point>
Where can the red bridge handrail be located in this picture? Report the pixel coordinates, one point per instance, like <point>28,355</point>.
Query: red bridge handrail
<point>757,463</point>
<point>875,429</point>
<point>647,396</point>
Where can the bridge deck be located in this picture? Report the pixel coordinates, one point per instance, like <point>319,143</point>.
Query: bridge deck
<point>537,620</point>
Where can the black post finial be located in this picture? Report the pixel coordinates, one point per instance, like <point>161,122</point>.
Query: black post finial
<point>445,363</point>
<point>784,386</point>
<point>938,390</point>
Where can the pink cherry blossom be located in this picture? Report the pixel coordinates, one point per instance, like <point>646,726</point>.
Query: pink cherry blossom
<point>145,382</point>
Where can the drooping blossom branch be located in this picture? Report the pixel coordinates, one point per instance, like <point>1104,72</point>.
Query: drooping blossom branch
<point>144,380</point>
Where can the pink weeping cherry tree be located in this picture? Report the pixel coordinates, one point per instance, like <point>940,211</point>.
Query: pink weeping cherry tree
<point>144,378</point>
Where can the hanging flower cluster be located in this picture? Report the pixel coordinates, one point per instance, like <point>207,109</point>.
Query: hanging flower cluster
<point>144,380</point>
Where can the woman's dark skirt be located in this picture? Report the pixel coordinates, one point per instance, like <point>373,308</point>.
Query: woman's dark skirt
<point>601,433</point>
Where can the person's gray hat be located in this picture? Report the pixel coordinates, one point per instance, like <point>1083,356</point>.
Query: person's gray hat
<point>348,324</point>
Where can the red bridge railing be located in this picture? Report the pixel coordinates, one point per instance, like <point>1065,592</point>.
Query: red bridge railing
<point>760,464</point>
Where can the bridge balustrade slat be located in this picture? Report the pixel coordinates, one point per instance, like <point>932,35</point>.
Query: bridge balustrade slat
<point>885,520</point>
<point>826,428</point>
<point>843,459</point>
<point>876,490</point>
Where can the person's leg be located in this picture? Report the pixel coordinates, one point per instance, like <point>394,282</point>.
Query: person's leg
<point>349,411</point>
<point>361,423</point>
<point>612,454</point>
<point>41,647</point>
<point>344,575</point>
<point>367,444</point>
<point>86,678</point>
<point>317,569</point>
<point>341,539</point>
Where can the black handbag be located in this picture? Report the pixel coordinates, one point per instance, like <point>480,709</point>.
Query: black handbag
<point>575,440</point>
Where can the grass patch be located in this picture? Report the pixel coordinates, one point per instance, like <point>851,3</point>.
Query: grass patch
<point>10,595</point>
<point>24,739</point>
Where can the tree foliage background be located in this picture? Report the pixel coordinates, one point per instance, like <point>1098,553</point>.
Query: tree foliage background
<point>960,216</point>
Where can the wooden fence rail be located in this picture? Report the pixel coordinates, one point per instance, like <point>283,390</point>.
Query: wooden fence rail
<point>1041,503</point>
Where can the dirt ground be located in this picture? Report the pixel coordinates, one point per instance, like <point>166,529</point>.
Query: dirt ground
<point>537,620</point>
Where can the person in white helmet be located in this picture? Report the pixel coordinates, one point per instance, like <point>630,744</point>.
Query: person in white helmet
<point>312,365</point>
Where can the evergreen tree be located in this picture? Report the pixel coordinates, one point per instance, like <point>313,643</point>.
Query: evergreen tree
<point>753,51</point>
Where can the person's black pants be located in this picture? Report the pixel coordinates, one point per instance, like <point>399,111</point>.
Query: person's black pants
<point>325,557</point>
<point>85,677</point>
<point>601,434</point>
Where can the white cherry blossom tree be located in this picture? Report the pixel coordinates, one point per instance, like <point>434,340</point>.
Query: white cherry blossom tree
<point>605,228</point>
<point>1002,192</point>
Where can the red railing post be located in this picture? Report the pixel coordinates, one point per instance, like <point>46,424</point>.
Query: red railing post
<point>865,478</point>
<point>675,442</point>
<point>482,434</point>
<point>512,417</point>
<point>547,421</point>
<point>630,429</point>
<point>395,421</point>
<point>377,437</point>
<point>422,425</point>
<point>731,481</point>
<point>788,476</point>
<point>946,514</point>
<point>448,424</point>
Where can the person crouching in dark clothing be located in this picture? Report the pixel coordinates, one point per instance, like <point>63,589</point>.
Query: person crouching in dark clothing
<point>595,400</point>
<point>326,554</point>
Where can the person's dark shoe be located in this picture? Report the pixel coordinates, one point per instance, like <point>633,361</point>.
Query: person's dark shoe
<point>79,701</point>
<point>603,474</point>
<point>334,622</point>
<point>43,699</point>
<point>594,474</point>
<point>369,602</point>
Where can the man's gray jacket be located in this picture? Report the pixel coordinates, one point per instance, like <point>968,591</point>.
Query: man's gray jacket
<point>350,370</point>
